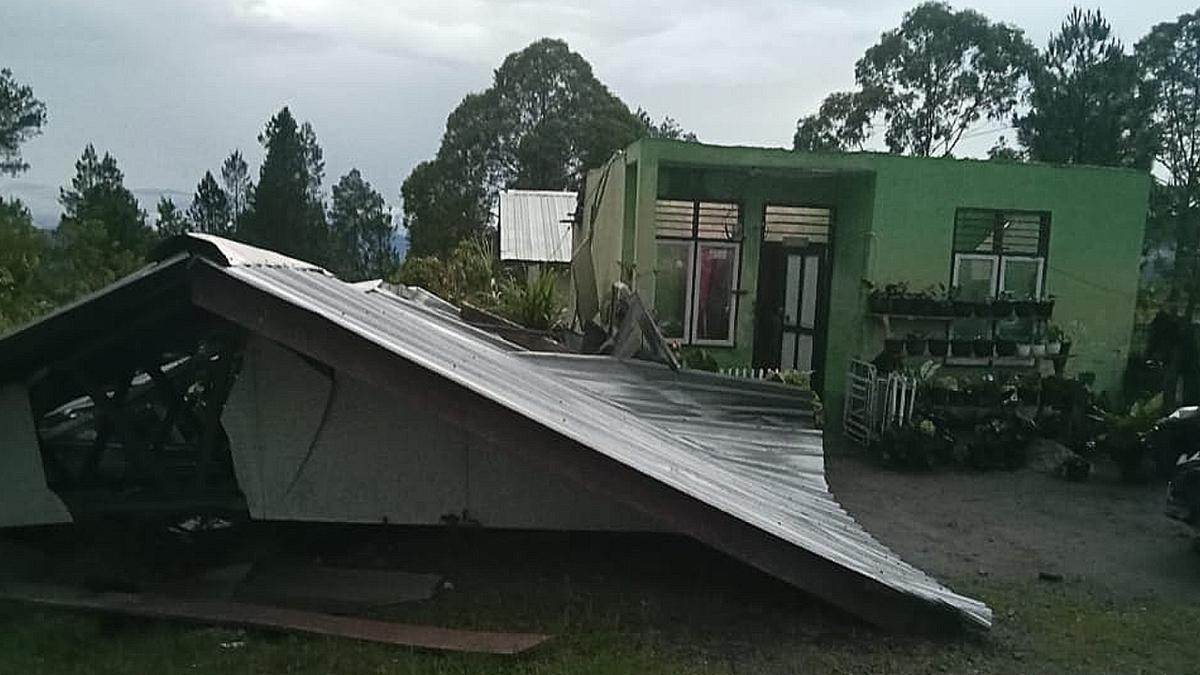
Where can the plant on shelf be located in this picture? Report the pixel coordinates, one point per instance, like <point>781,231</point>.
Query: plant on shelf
<point>914,344</point>
<point>1054,339</point>
<point>893,345</point>
<point>1045,307</point>
<point>1006,347</point>
<point>1001,306</point>
<point>960,308</point>
<point>1025,307</point>
<point>982,346</point>
<point>1024,350</point>
<point>962,346</point>
<point>939,345</point>
<point>893,298</point>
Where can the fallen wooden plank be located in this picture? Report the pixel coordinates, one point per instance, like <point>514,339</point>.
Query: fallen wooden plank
<point>275,618</point>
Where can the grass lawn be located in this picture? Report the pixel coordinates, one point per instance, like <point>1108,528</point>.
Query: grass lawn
<point>1130,601</point>
<point>707,617</point>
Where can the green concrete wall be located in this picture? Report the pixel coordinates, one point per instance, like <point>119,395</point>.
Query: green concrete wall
<point>894,221</point>
<point>1097,222</point>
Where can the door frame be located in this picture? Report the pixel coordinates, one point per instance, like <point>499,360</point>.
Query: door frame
<point>768,349</point>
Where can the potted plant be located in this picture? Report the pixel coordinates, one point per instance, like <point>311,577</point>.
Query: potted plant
<point>877,301</point>
<point>1054,339</point>
<point>939,301</point>
<point>893,345</point>
<point>1002,306</point>
<point>1006,347</point>
<point>962,346</point>
<point>1045,307</point>
<point>900,301</point>
<point>1025,307</point>
<point>914,344</point>
<point>1024,350</point>
<point>959,308</point>
<point>938,346</point>
<point>982,346</point>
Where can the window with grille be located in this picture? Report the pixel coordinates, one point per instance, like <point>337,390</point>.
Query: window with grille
<point>698,253</point>
<point>998,252</point>
<point>797,222</point>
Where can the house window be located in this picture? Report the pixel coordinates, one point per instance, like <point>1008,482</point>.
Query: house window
<point>999,252</point>
<point>696,272</point>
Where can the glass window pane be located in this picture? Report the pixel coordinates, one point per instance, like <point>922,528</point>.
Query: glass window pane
<point>714,292</point>
<point>1021,277</point>
<point>975,277</point>
<point>808,303</point>
<point>791,294</point>
<point>673,274</point>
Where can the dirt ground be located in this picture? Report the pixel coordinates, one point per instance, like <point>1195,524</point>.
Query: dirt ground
<point>1012,526</point>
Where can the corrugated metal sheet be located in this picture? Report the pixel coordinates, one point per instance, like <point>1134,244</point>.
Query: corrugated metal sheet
<point>535,225</point>
<point>743,448</point>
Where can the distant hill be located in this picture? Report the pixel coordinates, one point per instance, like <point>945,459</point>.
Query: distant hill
<point>42,200</point>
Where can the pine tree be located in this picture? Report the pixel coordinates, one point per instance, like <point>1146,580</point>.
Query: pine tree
<point>98,194</point>
<point>235,178</point>
<point>171,221</point>
<point>288,214</point>
<point>210,211</point>
<point>360,230</point>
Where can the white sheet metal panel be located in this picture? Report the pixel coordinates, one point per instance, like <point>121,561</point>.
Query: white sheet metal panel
<point>24,497</point>
<point>310,448</point>
<point>535,225</point>
<point>743,447</point>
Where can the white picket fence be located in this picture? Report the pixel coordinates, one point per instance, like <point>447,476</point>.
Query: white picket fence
<point>761,373</point>
<point>875,403</point>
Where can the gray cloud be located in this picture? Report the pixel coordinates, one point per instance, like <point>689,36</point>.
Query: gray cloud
<point>170,87</point>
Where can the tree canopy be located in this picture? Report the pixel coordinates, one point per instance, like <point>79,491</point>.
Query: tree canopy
<point>543,122</point>
<point>361,230</point>
<point>1084,106</point>
<point>210,212</point>
<point>926,82</point>
<point>288,214</point>
<point>22,116</point>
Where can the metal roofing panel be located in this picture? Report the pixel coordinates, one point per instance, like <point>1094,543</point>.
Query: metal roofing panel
<point>744,447</point>
<point>535,225</point>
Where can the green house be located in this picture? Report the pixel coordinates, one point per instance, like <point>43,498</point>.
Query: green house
<point>766,257</point>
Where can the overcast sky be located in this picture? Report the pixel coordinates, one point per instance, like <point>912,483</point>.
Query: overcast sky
<point>170,87</point>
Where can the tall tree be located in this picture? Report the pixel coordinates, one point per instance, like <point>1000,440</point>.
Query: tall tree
<point>22,116</point>
<point>98,194</point>
<point>1083,103</point>
<point>235,179</point>
<point>22,247</point>
<point>842,123</point>
<point>928,81</point>
<point>288,215</point>
<point>170,221</point>
<point>668,129</point>
<point>545,119</point>
<point>361,230</point>
<point>210,212</point>
<point>1169,58</point>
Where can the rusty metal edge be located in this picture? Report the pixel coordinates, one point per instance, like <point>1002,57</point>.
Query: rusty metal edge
<point>267,617</point>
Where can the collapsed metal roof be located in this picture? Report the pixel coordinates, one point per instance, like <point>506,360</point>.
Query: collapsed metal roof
<point>731,462</point>
<point>535,225</point>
